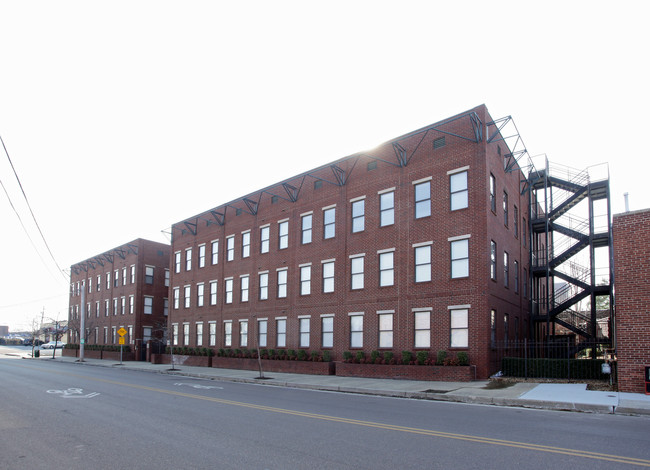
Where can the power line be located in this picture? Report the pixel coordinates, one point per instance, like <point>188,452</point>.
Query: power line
<point>30,211</point>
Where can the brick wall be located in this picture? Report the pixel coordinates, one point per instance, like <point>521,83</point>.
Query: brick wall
<point>631,236</point>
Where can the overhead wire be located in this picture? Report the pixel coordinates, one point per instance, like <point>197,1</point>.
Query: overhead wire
<point>47,246</point>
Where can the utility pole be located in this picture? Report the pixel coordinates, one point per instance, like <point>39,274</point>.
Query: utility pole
<point>82,327</point>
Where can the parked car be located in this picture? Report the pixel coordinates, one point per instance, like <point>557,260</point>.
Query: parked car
<point>51,345</point>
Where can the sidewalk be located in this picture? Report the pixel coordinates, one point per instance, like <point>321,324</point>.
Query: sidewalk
<point>565,397</point>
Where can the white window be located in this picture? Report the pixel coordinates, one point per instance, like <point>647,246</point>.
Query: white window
<point>423,263</point>
<point>188,259</point>
<point>493,193</point>
<point>243,288</point>
<point>146,333</point>
<point>106,308</point>
<point>166,277</point>
<point>212,326</point>
<point>282,283</point>
<point>459,258</point>
<point>459,328</point>
<point>227,333</point>
<point>422,329</point>
<point>281,332</point>
<point>245,244</point>
<point>264,285</point>
<point>200,292</point>
<point>422,199</point>
<point>213,292</point>
<point>177,262</point>
<point>329,222</point>
<point>264,239</point>
<point>116,278</point>
<point>124,276</point>
<point>90,285</point>
<point>131,305</point>
<point>386,330</point>
<point>186,334</point>
<point>506,269</point>
<point>386,268</point>
<point>108,280</point>
<point>148,274</point>
<point>201,256</point>
<point>458,190</point>
<point>175,334</point>
<point>327,331</point>
<point>306,228</point>
<point>356,272</point>
<point>215,251</point>
<point>187,296</point>
<point>358,215</point>
<point>132,273</point>
<point>99,282</point>
<point>229,287</point>
<point>243,333</point>
<point>303,325</point>
<point>262,327</point>
<point>386,208</point>
<point>122,305</point>
<point>199,334</point>
<point>230,248</point>
<point>328,276</point>
<point>115,306</point>
<point>283,234</point>
<point>305,280</point>
<point>493,260</point>
<point>356,331</point>
<point>113,334</point>
<point>177,296</point>
<point>97,308</point>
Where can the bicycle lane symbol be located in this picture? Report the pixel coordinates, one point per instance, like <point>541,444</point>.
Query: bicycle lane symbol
<point>73,393</point>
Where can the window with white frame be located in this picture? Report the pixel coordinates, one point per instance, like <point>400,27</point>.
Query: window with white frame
<point>327,331</point>
<point>214,244</point>
<point>493,327</point>
<point>493,260</point>
<point>187,296</point>
<point>385,329</point>
<point>458,190</point>
<point>386,268</point>
<point>105,335</point>
<point>199,334</point>
<point>357,272</point>
<point>229,288</point>
<point>386,208</point>
<point>133,274</point>
<point>265,235</point>
<point>148,274</point>
<point>175,334</point>
<point>305,279</point>
<point>243,333</point>
<point>106,308</point>
<point>263,285</point>
<point>108,280</point>
<point>243,288</point>
<point>200,292</point>
<point>176,296</point>
<point>506,269</point>
<point>422,192</point>
<point>459,257</point>
<point>165,306</point>
<point>423,263</point>
<point>212,331</point>
<point>283,234</point>
<point>356,331</point>
<point>213,292</point>
<point>186,334</point>
<point>97,308</point>
<point>129,334</point>
<point>113,334</point>
<point>328,276</point>
<point>188,259</point>
<point>90,285</point>
<point>493,193</point>
<point>202,256</point>
<point>146,333</point>
<point>166,277</point>
<point>306,228</point>
<point>122,305</point>
<point>246,244</point>
<point>227,333</point>
<point>116,278</point>
<point>505,208</point>
<point>262,329</point>
<point>177,262</point>
<point>329,222</point>
<point>282,283</point>
<point>124,276</point>
<point>459,327</point>
<point>281,332</point>
<point>114,306</point>
<point>422,328</point>
<point>358,215</point>
<point>131,304</point>
<point>303,331</point>
<point>230,248</point>
<point>99,283</point>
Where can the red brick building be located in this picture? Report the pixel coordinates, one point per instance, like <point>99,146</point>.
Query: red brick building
<point>416,245</point>
<point>127,287</point>
<point>631,234</point>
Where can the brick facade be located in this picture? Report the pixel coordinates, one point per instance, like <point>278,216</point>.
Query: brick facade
<point>631,236</point>
<point>125,287</point>
<point>432,155</point>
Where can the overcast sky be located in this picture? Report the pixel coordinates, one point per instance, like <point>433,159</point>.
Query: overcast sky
<point>124,117</point>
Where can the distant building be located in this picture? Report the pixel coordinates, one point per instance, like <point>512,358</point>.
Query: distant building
<point>4,330</point>
<point>125,287</point>
<point>631,233</point>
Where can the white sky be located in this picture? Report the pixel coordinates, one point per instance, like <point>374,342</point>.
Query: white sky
<point>123,117</point>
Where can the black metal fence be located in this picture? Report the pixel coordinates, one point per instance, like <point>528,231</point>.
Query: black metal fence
<point>559,358</point>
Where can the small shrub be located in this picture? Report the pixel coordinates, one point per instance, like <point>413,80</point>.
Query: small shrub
<point>463,358</point>
<point>407,357</point>
<point>347,356</point>
<point>374,356</point>
<point>422,357</point>
<point>441,357</point>
<point>360,356</point>
<point>327,357</point>
<point>272,353</point>
<point>388,356</point>
<point>314,356</point>
<point>302,355</point>
<point>291,353</point>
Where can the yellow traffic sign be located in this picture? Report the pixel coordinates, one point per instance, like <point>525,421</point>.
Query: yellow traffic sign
<point>121,340</point>
<point>121,332</point>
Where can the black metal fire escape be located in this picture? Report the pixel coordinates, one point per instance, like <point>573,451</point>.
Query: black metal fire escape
<point>564,234</point>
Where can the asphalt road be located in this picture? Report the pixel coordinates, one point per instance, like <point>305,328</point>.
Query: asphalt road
<point>73,416</point>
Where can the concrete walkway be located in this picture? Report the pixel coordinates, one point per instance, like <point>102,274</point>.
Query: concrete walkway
<point>566,397</point>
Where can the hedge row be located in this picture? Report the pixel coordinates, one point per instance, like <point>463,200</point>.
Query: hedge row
<point>553,368</point>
